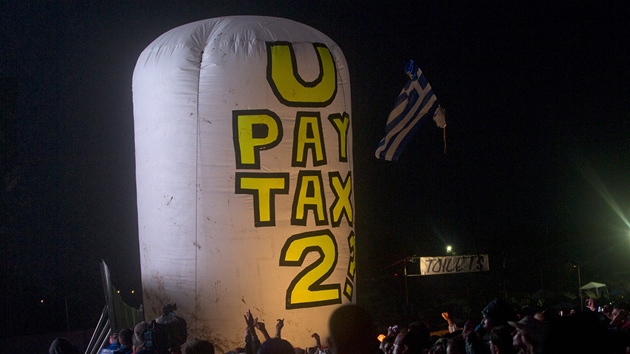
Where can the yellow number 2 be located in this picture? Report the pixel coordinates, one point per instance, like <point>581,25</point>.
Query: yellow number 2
<point>306,289</point>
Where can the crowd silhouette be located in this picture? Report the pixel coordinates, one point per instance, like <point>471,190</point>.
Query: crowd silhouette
<point>502,329</point>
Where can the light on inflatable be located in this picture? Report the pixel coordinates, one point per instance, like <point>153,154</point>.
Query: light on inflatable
<point>244,177</point>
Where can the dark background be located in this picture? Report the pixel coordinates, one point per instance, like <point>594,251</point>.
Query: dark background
<point>536,173</point>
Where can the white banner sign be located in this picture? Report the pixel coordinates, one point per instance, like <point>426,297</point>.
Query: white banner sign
<point>454,264</point>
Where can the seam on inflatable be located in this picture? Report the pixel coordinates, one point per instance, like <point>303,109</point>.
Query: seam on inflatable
<point>197,182</point>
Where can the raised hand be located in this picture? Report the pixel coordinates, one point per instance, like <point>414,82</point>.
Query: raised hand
<point>318,342</point>
<point>279,326</point>
<point>250,321</point>
<point>261,327</point>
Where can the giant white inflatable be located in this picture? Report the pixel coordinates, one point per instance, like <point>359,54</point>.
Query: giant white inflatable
<point>244,177</point>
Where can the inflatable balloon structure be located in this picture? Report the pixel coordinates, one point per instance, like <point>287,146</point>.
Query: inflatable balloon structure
<point>244,177</point>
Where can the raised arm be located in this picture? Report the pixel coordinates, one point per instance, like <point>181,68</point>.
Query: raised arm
<point>261,327</point>
<point>251,339</point>
<point>279,326</point>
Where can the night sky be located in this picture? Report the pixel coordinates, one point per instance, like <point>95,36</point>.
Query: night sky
<point>536,173</point>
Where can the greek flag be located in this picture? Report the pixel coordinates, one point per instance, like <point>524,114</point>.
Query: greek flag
<point>415,101</point>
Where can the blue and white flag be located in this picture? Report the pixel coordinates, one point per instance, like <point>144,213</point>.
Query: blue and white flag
<point>415,101</point>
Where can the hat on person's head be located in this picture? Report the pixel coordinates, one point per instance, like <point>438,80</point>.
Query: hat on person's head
<point>532,327</point>
<point>499,312</point>
<point>138,334</point>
